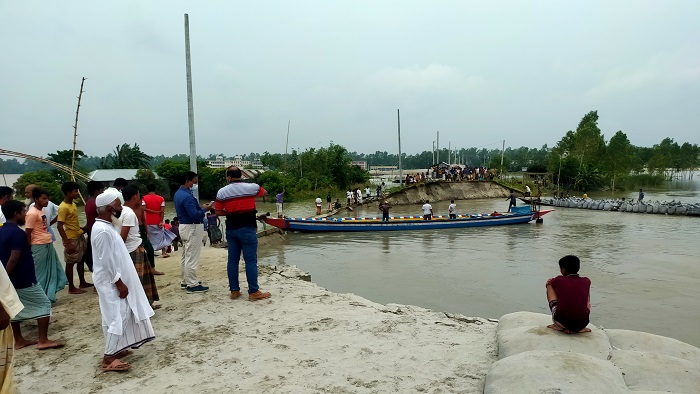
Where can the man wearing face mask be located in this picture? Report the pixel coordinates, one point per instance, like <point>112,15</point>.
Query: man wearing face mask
<point>191,216</point>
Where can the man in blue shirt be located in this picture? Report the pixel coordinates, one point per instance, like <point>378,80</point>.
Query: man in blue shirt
<point>191,216</point>
<point>16,256</point>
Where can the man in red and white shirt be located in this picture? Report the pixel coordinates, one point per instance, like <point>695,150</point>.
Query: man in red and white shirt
<point>236,201</point>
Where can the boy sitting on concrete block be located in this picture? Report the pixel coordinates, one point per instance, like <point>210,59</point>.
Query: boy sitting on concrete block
<point>569,297</point>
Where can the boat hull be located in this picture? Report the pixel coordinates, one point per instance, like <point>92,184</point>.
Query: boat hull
<point>400,223</point>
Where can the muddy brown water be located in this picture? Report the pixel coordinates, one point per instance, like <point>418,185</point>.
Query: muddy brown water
<point>644,268</point>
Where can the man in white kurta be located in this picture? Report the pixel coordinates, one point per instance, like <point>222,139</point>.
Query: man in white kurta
<point>125,309</point>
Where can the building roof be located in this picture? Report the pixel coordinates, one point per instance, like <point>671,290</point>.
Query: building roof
<point>250,174</point>
<point>112,174</point>
<point>9,179</point>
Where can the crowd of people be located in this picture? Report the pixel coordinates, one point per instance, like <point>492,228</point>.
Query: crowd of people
<point>450,174</point>
<point>118,244</point>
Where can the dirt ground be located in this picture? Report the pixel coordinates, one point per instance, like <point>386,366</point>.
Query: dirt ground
<point>304,339</point>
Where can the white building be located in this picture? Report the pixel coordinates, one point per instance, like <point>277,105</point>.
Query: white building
<point>222,162</point>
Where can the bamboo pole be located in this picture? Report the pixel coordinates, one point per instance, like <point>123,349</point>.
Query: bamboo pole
<point>75,130</point>
<point>66,169</point>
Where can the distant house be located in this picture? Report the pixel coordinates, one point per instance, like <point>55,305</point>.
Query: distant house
<point>222,162</point>
<point>360,163</point>
<point>108,176</point>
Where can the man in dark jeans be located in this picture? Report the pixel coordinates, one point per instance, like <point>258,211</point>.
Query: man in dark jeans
<point>236,201</point>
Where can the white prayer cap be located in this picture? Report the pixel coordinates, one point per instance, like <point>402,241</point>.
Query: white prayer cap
<point>105,199</point>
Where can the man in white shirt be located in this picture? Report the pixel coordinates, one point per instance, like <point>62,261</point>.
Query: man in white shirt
<point>452,210</point>
<point>134,244</point>
<point>427,211</point>
<point>125,309</point>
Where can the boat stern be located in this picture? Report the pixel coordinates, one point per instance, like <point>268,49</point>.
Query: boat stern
<point>277,222</point>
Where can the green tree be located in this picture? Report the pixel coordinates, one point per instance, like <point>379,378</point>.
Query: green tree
<point>126,156</point>
<point>664,158</point>
<point>210,180</point>
<point>145,176</point>
<point>588,143</point>
<point>588,178</point>
<point>44,179</point>
<point>65,157</point>
<point>618,160</point>
<point>170,171</point>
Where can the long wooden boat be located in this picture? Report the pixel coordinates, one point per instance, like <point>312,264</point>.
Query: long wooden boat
<point>519,215</point>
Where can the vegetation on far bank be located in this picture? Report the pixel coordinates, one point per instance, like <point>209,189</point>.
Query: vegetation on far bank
<point>582,160</point>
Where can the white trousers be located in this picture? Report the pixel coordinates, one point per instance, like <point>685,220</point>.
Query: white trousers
<point>191,236</point>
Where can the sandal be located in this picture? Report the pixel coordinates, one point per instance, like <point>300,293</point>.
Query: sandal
<point>116,366</point>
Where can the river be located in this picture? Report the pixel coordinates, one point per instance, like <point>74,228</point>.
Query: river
<point>644,268</point>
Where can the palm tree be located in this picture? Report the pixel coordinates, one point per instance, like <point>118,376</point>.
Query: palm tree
<point>125,156</point>
<point>588,178</point>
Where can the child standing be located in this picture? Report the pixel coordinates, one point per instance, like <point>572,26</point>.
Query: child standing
<point>569,297</point>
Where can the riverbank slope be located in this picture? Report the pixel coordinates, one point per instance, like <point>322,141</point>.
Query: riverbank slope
<point>441,191</point>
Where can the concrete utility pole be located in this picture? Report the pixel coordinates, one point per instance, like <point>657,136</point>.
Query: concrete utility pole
<point>503,151</point>
<point>398,123</point>
<point>190,103</point>
<point>438,148</point>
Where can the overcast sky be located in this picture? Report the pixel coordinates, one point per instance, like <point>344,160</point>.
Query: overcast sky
<point>480,72</point>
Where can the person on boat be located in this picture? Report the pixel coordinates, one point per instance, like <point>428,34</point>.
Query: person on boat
<point>318,205</point>
<point>329,200</point>
<point>358,193</point>
<point>569,297</point>
<point>384,207</point>
<point>527,191</point>
<point>452,209</point>
<point>349,195</point>
<point>512,200</point>
<point>427,211</point>
<point>337,205</point>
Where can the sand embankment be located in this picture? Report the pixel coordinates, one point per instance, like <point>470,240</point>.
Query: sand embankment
<point>441,191</point>
<point>304,339</point>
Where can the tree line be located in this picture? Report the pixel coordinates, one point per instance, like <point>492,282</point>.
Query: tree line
<point>582,159</point>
